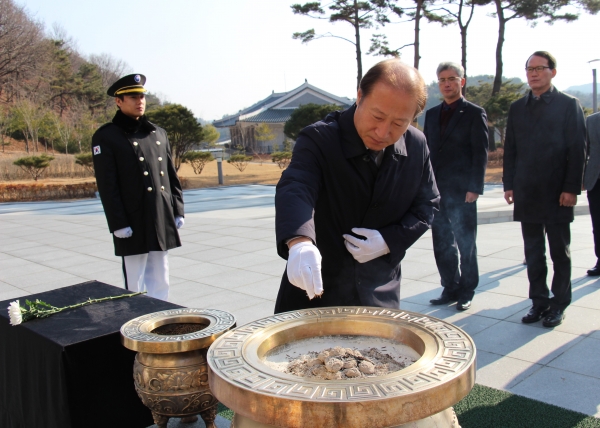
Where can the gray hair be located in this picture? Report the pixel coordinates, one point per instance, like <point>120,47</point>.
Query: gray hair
<point>448,65</point>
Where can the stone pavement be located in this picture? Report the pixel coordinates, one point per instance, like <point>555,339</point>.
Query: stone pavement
<point>228,261</point>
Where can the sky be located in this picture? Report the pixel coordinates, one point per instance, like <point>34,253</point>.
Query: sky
<point>217,57</point>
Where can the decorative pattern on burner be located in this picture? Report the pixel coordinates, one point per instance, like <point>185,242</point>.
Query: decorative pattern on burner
<point>457,354</point>
<point>219,321</point>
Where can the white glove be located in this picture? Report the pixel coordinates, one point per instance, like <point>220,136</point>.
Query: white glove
<point>126,232</point>
<point>365,250</point>
<point>304,268</point>
<point>179,221</point>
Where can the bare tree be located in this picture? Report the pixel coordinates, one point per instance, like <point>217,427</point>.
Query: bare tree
<point>20,42</point>
<point>110,68</point>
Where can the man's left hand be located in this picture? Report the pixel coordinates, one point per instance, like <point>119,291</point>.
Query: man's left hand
<point>471,197</point>
<point>365,250</point>
<point>567,199</point>
<point>179,222</point>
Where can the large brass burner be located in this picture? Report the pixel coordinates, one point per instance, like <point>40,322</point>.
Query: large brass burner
<point>420,394</point>
<point>170,371</point>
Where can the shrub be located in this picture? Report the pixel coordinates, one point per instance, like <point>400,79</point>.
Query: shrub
<point>86,161</point>
<point>282,159</point>
<point>46,192</point>
<point>496,157</point>
<point>198,160</point>
<point>239,161</point>
<point>34,165</point>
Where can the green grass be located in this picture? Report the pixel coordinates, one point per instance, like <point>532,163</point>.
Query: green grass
<point>490,408</point>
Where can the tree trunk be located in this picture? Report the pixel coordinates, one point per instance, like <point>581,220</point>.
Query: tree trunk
<point>499,45</point>
<point>358,52</point>
<point>463,59</point>
<point>417,32</point>
<point>492,138</point>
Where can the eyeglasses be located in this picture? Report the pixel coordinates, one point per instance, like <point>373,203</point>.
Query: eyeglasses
<point>449,79</point>
<point>539,68</point>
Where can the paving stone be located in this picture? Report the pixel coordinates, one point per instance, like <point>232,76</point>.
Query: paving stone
<point>524,342</point>
<point>562,388</point>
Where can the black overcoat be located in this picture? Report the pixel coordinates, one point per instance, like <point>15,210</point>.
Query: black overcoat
<point>544,155</point>
<point>138,184</point>
<point>459,157</point>
<point>330,187</point>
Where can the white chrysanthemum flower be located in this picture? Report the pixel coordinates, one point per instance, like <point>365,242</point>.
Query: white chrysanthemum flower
<point>14,312</point>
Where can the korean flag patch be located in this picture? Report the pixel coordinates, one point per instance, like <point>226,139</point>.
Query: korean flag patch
<point>96,150</point>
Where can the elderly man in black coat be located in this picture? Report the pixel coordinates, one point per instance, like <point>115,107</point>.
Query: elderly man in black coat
<point>591,180</point>
<point>139,189</point>
<point>544,155</point>
<point>457,136</point>
<point>357,194</point>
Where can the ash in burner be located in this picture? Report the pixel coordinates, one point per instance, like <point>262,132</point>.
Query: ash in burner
<point>346,363</point>
<point>178,328</point>
<point>376,357</point>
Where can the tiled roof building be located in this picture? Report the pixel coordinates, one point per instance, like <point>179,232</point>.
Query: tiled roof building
<point>274,110</point>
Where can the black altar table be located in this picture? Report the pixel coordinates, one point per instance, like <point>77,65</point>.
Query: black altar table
<point>70,370</point>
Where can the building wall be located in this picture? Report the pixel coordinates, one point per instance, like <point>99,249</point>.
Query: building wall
<point>242,134</point>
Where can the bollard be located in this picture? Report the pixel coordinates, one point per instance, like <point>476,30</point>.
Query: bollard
<point>220,169</point>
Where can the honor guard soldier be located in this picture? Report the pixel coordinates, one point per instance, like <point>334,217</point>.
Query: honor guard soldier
<point>139,189</point>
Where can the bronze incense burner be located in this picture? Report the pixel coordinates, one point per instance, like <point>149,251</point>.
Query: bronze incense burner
<point>170,370</point>
<point>420,395</point>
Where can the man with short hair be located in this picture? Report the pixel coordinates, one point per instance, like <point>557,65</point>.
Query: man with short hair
<point>357,194</point>
<point>139,189</point>
<point>591,180</point>
<point>457,136</point>
<point>544,154</point>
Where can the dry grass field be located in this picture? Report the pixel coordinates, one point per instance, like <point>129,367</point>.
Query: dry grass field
<point>63,170</point>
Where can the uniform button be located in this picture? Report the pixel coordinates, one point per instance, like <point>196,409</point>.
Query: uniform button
<point>141,159</point>
<point>135,143</point>
<point>162,173</point>
<point>145,172</point>
<point>149,189</point>
<point>162,187</point>
<point>158,143</point>
<point>159,159</point>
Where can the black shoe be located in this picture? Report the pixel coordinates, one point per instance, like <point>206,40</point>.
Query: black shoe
<point>595,271</point>
<point>535,314</point>
<point>463,305</point>
<point>554,317</point>
<point>443,299</point>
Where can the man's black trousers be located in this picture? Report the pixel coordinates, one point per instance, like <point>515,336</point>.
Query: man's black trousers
<point>594,203</point>
<point>559,240</point>
<point>454,231</point>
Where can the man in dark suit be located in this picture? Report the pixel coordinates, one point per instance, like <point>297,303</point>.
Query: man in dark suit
<point>357,194</point>
<point>139,189</point>
<point>544,155</point>
<point>457,136</point>
<point>591,183</point>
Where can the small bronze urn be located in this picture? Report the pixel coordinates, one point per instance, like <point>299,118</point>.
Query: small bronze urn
<point>170,371</point>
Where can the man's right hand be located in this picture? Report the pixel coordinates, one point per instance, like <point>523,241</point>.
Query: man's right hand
<point>126,232</point>
<point>304,268</point>
<point>508,196</point>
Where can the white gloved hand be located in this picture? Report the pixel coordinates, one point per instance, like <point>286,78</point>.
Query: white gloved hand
<point>365,250</point>
<point>179,221</point>
<point>126,232</point>
<point>304,268</point>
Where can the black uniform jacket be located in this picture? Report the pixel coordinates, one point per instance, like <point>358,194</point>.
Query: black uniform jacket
<point>459,157</point>
<point>138,184</point>
<point>332,186</point>
<point>544,155</point>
